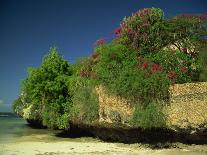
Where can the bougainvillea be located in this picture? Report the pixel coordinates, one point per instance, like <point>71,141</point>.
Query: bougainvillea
<point>143,29</point>
<point>147,31</point>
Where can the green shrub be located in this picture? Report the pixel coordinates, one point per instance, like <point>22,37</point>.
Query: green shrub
<point>150,116</point>
<point>47,91</point>
<point>145,30</point>
<point>120,70</point>
<point>183,65</point>
<point>203,61</point>
<point>57,113</point>
<point>85,106</point>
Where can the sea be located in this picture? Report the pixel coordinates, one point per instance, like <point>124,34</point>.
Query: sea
<point>14,129</point>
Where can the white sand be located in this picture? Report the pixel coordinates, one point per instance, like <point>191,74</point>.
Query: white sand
<point>90,148</point>
<point>45,143</point>
<point>63,148</point>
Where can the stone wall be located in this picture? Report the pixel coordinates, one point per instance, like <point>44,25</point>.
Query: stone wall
<point>113,109</point>
<point>187,107</point>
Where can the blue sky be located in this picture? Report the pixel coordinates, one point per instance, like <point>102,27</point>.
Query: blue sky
<point>28,28</point>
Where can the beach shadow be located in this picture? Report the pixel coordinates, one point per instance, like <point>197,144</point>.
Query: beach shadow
<point>155,138</point>
<point>74,132</point>
<point>35,124</point>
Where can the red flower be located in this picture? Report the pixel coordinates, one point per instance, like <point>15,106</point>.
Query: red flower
<point>129,30</point>
<point>117,31</point>
<point>145,65</point>
<point>156,67</point>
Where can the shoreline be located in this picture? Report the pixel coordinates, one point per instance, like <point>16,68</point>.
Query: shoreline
<point>18,138</point>
<point>95,148</point>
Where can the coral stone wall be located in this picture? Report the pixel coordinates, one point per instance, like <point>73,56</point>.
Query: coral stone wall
<point>113,109</point>
<point>187,107</point>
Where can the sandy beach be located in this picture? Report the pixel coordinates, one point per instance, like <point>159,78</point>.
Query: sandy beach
<point>94,148</point>
<point>64,148</point>
<point>17,138</point>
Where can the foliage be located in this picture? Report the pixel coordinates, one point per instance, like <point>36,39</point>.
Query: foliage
<point>119,70</point>
<point>139,64</point>
<point>85,101</point>
<point>148,117</point>
<point>203,61</point>
<point>56,95</point>
<point>46,88</point>
<point>147,32</point>
<point>179,66</point>
<point>18,106</point>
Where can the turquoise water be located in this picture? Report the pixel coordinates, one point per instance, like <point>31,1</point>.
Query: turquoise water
<point>14,129</point>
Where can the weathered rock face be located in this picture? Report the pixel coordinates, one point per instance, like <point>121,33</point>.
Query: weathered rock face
<point>187,109</point>
<point>113,109</point>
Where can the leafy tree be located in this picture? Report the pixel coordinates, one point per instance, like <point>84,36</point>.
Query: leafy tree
<point>18,106</point>
<point>46,88</point>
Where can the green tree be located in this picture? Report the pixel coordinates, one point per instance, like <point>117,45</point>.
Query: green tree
<point>18,106</point>
<point>47,90</point>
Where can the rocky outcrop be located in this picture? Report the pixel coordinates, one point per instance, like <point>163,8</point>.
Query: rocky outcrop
<point>188,107</point>
<point>113,109</point>
<point>186,110</point>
